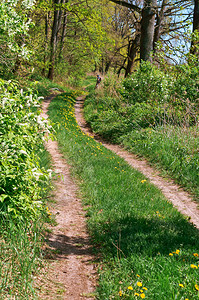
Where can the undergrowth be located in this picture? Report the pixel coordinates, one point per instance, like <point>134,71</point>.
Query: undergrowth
<point>24,184</point>
<point>154,115</point>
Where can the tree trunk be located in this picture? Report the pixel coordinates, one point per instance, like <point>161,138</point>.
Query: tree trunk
<point>132,51</point>
<point>53,41</point>
<point>195,27</point>
<point>63,34</point>
<point>147,29</point>
<point>47,17</point>
<point>160,18</point>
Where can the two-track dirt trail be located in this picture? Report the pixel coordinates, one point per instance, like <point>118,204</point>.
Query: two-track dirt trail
<point>180,199</point>
<point>71,274</point>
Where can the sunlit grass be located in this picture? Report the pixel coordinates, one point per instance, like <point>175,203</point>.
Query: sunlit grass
<point>146,248</point>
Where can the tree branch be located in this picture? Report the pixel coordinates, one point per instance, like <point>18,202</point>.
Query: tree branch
<point>128,5</point>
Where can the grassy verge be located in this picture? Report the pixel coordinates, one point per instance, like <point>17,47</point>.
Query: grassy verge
<point>173,149</point>
<point>147,249</point>
<point>21,250</point>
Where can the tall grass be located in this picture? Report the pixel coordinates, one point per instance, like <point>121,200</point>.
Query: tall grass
<point>21,250</point>
<point>20,253</point>
<point>146,248</point>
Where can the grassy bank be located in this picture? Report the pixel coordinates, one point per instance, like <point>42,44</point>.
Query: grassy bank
<point>146,248</point>
<point>172,149</point>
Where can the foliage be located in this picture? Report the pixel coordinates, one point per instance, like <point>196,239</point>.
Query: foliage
<point>147,84</point>
<point>22,131</point>
<point>147,117</point>
<point>14,26</point>
<point>146,248</point>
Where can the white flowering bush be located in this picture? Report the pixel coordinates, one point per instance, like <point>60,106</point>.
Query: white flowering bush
<point>146,85</point>
<point>21,135</point>
<point>14,24</point>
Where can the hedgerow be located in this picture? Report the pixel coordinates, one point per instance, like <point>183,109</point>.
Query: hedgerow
<point>21,136</point>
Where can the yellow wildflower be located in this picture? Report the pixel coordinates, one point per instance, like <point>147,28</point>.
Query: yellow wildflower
<point>177,251</point>
<point>193,266</point>
<point>144,288</point>
<point>181,285</point>
<point>139,283</point>
<point>120,293</point>
<point>136,294</point>
<point>142,295</point>
<point>142,181</point>
<point>171,254</point>
<point>196,254</point>
<point>130,288</point>
<point>197,287</point>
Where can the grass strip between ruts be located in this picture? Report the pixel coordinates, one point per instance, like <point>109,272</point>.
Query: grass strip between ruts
<point>147,249</point>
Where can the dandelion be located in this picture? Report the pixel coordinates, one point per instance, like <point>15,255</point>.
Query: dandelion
<point>120,293</point>
<point>142,295</point>
<point>197,287</point>
<point>130,288</point>
<point>142,181</point>
<point>196,254</point>
<point>138,275</point>
<point>177,251</point>
<point>139,283</point>
<point>193,266</point>
<point>144,288</point>
<point>181,285</point>
<point>171,254</point>
<point>136,294</point>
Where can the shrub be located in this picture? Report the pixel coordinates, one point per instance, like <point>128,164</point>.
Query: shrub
<point>146,85</point>
<point>21,137</point>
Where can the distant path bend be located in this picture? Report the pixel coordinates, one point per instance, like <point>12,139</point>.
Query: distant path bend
<point>180,199</point>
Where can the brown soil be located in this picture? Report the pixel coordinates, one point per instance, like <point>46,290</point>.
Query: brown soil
<point>70,273</point>
<point>180,199</point>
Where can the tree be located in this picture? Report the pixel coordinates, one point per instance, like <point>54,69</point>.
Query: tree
<point>195,41</point>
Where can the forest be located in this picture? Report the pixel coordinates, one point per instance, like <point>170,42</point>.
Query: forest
<point>147,54</point>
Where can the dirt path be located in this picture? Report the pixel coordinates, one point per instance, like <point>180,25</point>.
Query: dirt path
<point>71,274</point>
<point>180,199</point>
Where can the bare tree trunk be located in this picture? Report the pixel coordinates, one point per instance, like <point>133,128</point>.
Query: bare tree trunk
<point>195,27</point>
<point>63,34</point>
<point>160,18</point>
<point>147,29</point>
<point>53,41</point>
<point>47,17</point>
<point>132,51</point>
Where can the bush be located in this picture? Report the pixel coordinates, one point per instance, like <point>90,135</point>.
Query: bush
<point>21,136</point>
<point>146,85</point>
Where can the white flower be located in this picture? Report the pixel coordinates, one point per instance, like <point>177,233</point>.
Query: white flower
<point>23,152</point>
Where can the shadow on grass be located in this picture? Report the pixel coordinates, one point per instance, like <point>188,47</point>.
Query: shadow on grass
<point>145,236</point>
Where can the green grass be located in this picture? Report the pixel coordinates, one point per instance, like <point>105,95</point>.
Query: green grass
<point>21,250</point>
<point>173,149</point>
<point>135,231</point>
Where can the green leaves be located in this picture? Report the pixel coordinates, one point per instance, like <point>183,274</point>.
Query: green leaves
<point>14,27</point>
<point>21,135</point>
